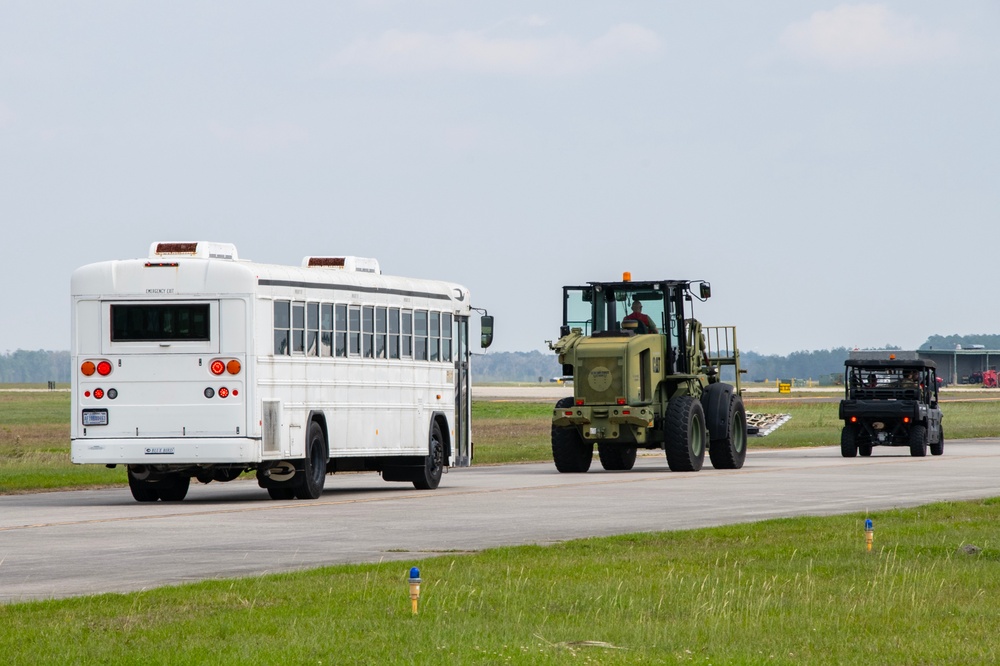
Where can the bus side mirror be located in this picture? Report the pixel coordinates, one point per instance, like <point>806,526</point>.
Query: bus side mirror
<point>486,330</point>
<point>705,290</point>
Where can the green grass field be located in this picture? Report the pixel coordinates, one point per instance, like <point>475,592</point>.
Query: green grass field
<point>787,591</point>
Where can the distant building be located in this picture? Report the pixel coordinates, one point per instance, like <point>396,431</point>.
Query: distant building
<point>962,365</point>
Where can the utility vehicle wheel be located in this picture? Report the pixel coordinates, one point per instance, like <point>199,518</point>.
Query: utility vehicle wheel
<point>848,442</point>
<point>938,449</point>
<point>616,457</point>
<point>282,493</point>
<point>730,452</point>
<point>918,441</point>
<point>865,449</point>
<point>429,476</point>
<point>313,476</point>
<point>142,490</point>
<point>174,488</point>
<point>570,453</point>
<point>685,434</point>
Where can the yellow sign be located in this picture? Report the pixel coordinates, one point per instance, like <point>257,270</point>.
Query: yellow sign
<point>784,387</point>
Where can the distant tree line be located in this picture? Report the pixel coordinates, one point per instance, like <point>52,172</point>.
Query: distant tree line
<point>34,367</point>
<point>515,367</point>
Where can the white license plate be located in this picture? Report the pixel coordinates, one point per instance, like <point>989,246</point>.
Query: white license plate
<point>95,417</point>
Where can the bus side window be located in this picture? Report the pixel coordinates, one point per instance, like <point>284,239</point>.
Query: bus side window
<point>407,335</point>
<point>434,338</point>
<point>312,329</point>
<point>326,330</point>
<point>420,335</point>
<point>354,330</point>
<point>393,332</point>
<point>446,336</point>
<point>341,329</point>
<point>298,327</point>
<point>282,321</point>
<point>368,331</point>
<point>380,332</point>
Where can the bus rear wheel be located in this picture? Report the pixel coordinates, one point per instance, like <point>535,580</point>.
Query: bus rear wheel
<point>174,488</point>
<point>429,477</point>
<point>142,489</point>
<point>313,475</point>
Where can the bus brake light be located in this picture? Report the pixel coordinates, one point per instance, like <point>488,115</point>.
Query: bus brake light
<point>217,367</point>
<point>223,392</point>
<point>104,368</point>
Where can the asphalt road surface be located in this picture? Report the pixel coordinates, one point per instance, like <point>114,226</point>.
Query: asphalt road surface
<point>83,542</point>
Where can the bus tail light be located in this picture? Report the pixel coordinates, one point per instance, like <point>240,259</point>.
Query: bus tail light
<point>219,365</point>
<point>223,392</point>
<point>103,368</point>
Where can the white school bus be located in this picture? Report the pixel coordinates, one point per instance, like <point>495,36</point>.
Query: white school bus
<point>193,363</point>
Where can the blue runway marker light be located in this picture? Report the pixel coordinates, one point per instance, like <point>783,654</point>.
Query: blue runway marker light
<point>414,588</point>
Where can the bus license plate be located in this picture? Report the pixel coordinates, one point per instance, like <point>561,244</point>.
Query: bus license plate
<point>95,417</point>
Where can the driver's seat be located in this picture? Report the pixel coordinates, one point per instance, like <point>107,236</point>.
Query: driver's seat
<point>634,325</point>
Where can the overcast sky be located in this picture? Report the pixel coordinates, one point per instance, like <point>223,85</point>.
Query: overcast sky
<point>832,169</point>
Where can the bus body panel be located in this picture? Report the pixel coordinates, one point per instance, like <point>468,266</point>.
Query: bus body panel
<point>166,451</point>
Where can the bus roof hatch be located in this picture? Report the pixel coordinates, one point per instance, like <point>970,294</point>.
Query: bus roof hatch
<point>357,264</point>
<point>200,249</point>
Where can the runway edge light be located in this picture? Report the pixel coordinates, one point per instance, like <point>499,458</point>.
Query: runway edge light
<point>414,588</point>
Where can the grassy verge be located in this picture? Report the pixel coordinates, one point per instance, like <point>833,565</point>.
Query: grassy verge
<point>34,445</point>
<point>785,591</point>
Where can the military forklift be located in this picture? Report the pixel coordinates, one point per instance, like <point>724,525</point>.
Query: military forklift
<point>646,375</point>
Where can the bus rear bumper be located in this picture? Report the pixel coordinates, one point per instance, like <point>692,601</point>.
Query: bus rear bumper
<point>165,451</point>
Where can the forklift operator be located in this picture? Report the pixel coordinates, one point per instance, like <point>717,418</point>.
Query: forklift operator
<point>643,319</point>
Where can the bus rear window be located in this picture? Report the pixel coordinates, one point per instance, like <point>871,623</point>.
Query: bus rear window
<point>159,322</point>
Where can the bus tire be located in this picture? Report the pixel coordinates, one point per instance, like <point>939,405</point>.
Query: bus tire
<point>174,488</point>
<point>313,474</point>
<point>142,490</point>
<point>429,476</point>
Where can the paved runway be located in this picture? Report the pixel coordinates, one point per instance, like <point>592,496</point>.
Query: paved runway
<point>83,542</point>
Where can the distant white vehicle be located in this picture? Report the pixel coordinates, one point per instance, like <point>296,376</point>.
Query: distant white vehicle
<point>192,363</point>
